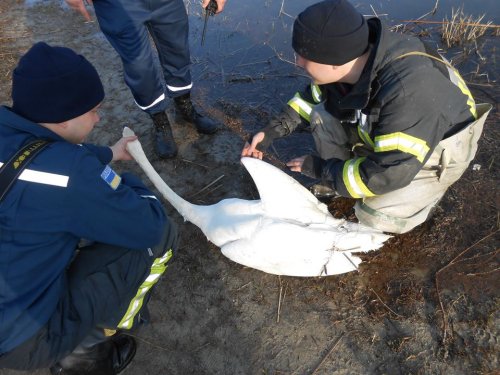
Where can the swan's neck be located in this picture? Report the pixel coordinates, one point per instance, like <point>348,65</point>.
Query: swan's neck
<point>186,209</point>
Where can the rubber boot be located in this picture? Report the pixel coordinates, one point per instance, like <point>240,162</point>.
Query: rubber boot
<point>185,107</point>
<point>106,358</point>
<point>164,139</point>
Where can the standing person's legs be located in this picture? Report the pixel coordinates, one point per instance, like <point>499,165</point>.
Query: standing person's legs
<point>124,23</point>
<point>169,28</point>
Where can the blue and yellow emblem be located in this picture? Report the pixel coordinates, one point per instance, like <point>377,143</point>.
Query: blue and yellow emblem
<point>111,177</point>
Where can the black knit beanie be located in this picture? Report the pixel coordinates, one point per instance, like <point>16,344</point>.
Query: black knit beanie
<point>54,84</point>
<point>331,32</point>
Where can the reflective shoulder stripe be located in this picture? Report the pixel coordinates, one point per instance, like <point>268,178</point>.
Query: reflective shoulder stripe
<point>402,142</point>
<point>46,178</point>
<point>455,78</point>
<point>353,181</point>
<point>300,106</point>
<point>316,93</point>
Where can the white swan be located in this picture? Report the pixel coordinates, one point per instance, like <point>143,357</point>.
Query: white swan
<point>287,232</point>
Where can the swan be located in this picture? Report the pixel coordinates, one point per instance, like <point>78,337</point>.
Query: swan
<point>287,232</point>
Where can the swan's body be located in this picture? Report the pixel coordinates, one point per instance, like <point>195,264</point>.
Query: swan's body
<point>287,232</point>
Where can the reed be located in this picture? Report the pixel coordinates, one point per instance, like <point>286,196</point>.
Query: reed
<point>462,28</point>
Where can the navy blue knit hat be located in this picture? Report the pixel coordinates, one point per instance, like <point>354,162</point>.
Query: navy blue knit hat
<point>331,32</point>
<point>54,84</point>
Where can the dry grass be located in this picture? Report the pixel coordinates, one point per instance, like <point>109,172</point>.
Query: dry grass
<point>462,28</point>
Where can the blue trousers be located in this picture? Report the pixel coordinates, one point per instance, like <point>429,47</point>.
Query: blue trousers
<point>101,283</point>
<point>128,26</point>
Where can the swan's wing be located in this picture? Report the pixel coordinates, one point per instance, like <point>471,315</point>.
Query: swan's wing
<point>283,248</point>
<point>282,196</point>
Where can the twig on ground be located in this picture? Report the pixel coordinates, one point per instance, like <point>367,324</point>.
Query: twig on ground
<point>165,349</point>
<point>438,289</point>
<point>206,187</point>
<point>383,303</point>
<point>328,354</point>
<point>280,299</point>
<point>192,162</point>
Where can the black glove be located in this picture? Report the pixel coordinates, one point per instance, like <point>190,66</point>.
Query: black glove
<point>312,166</point>
<point>280,126</point>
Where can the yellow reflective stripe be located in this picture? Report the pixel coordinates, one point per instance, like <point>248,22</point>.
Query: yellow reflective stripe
<point>402,142</point>
<point>352,179</point>
<point>300,106</point>
<point>465,90</point>
<point>157,269</point>
<point>316,93</point>
<point>365,137</point>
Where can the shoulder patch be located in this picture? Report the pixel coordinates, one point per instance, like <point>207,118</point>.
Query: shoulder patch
<point>111,177</point>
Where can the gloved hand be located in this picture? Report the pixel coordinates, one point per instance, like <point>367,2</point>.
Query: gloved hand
<point>280,126</point>
<point>308,165</point>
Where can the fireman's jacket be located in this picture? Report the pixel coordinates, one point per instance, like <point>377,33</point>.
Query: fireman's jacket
<point>401,108</point>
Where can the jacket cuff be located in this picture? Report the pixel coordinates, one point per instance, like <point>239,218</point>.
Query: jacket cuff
<point>312,166</point>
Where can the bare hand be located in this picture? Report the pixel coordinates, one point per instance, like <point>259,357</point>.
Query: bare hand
<point>79,6</point>
<point>295,165</point>
<point>220,4</point>
<point>251,149</point>
<point>120,148</point>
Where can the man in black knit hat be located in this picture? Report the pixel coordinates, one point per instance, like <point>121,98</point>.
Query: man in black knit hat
<point>62,299</point>
<point>393,122</point>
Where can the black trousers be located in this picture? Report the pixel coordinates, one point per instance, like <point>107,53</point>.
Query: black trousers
<point>101,282</point>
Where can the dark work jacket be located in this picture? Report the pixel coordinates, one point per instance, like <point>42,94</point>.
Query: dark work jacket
<point>411,98</point>
<point>42,222</point>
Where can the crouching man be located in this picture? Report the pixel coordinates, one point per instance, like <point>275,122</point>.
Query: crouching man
<point>393,122</point>
<point>62,304</point>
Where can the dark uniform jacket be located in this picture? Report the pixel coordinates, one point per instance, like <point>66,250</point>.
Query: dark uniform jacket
<point>400,109</point>
<point>67,192</point>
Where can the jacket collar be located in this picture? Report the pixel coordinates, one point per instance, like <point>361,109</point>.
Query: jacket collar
<point>12,120</point>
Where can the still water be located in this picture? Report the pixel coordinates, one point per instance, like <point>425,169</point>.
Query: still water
<point>247,57</point>
<point>251,40</point>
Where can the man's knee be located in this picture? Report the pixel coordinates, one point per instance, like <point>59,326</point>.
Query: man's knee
<point>392,223</point>
<point>168,242</point>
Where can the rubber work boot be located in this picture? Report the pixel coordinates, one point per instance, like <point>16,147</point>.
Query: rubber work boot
<point>164,139</point>
<point>203,124</point>
<point>107,358</point>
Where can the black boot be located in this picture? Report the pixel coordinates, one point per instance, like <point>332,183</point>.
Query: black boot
<point>164,139</point>
<point>107,358</point>
<point>185,106</point>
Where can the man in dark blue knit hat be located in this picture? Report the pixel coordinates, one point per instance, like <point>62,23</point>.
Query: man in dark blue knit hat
<point>81,245</point>
<point>393,122</point>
